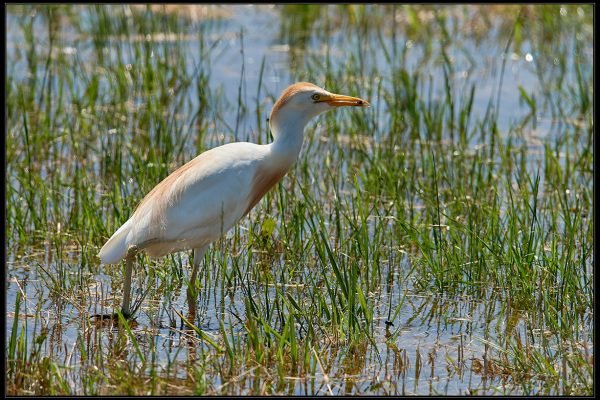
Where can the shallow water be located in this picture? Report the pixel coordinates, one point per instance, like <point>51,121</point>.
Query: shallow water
<point>388,368</point>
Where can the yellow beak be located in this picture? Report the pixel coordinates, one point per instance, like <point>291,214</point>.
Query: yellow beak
<point>339,100</point>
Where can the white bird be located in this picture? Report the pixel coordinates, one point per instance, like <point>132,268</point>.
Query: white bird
<point>199,202</point>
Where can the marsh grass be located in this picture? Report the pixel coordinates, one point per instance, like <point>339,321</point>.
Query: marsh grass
<point>444,235</point>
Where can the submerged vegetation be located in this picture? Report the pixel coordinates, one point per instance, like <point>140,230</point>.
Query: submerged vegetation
<point>440,243</point>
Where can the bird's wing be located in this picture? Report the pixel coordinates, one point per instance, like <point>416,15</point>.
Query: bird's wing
<point>201,200</point>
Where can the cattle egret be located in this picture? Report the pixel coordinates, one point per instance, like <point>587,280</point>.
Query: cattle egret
<point>203,199</point>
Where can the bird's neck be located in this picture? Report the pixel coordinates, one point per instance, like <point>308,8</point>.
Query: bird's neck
<point>288,140</point>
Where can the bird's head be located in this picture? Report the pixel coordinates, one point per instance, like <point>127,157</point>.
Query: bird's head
<point>302,101</point>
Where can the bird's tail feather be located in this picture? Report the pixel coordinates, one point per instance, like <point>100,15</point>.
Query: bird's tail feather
<point>115,249</point>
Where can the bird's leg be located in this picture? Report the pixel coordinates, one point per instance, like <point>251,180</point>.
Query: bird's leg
<point>192,295</point>
<point>131,253</point>
<point>192,290</point>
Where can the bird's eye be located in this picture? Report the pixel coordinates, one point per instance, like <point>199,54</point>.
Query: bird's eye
<point>315,97</point>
